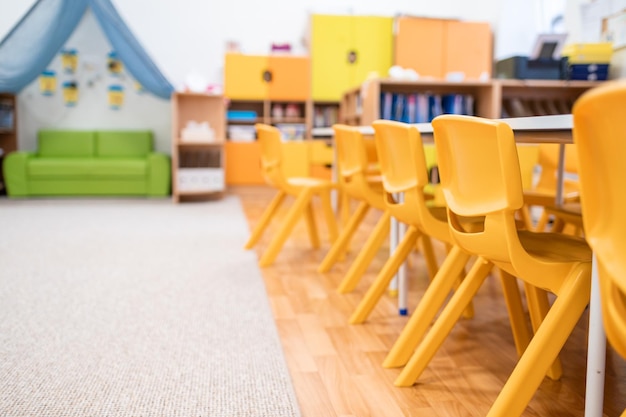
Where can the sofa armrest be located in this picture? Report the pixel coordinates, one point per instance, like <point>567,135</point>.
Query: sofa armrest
<point>15,173</point>
<point>159,174</point>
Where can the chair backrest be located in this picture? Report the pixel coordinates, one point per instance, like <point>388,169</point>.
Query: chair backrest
<point>403,166</point>
<point>401,156</point>
<point>600,135</point>
<point>271,155</point>
<point>351,154</point>
<point>480,176</point>
<point>353,166</point>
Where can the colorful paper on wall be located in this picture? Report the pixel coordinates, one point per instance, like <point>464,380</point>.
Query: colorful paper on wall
<point>116,96</point>
<point>70,93</point>
<point>139,88</point>
<point>114,64</point>
<point>69,60</point>
<point>48,83</point>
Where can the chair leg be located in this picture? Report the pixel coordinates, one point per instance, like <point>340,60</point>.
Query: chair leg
<point>277,242</point>
<point>444,324</point>
<point>538,308</point>
<point>329,215</point>
<point>377,289</point>
<point>517,317</point>
<point>311,226</point>
<point>367,253</point>
<point>526,217</point>
<point>427,309</point>
<point>265,219</point>
<point>544,346</point>
<point>342,242</point>
<point>429,256</point>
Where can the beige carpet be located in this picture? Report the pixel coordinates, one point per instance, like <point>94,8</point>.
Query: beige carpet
<point>135,308</point>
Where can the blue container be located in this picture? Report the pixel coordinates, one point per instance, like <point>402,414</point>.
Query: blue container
<point>241,115</point>
<point>589,72</point>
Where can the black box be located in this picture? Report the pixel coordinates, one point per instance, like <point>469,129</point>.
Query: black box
<point>520,67</point>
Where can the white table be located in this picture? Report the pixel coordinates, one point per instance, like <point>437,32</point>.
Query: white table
<point>539,129</point>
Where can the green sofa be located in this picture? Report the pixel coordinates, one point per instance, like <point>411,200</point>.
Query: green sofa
<point>96,163</point>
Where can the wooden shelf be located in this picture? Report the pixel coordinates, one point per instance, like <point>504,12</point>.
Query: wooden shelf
<point>198,167</point>
<point>8,130</point>
<point>492,99</point>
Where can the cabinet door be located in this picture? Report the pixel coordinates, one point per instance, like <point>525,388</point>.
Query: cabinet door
<point>243,163</point>
<point>373,44</point>
<point>290,78</point>
<point>419,44</point>
<point>331,42</point>
<point>243,77</point>
<point>469,49</point>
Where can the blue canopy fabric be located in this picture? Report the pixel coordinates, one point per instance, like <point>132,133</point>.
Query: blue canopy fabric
<point>41,33</point>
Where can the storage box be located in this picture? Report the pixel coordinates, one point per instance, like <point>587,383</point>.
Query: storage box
<point>241,133</point>
<point>291,131</point>
<point>520,67</point>
<point>589,53</point>
<point>589,72</point>
<point>200,179</point>
<point>241,115</point>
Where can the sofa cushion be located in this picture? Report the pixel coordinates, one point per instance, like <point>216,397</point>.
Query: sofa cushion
<point>126,143</point>
<point>130,168</point>
<point>66,143</point>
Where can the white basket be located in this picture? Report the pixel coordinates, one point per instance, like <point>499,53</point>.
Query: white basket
<point>201,179</point>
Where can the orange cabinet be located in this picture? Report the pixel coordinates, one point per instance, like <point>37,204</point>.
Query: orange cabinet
<point>436,47</point>
<point>260,77</point>
<point>243,163</point>
<point>419,44</point>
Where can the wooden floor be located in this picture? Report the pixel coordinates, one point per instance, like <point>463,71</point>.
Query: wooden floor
<point>336,367</point>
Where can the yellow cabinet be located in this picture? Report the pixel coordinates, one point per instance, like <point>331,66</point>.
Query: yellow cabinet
<point>243,77</point>
<point>260,77</point>
<point>345,50</point>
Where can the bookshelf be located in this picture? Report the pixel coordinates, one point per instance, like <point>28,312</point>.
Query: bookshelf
<point>492,99</point>
<point>197,152</point>
<point>8,130</point>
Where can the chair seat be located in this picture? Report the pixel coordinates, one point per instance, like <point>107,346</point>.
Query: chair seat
<point>540,197</point>
<point>309,182</point>
<point>558,248</point>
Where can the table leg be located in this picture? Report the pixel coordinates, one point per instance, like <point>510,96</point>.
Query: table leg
<point>596,354</point>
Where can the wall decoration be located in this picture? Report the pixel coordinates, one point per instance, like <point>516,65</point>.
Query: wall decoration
<point>116,96</point>
<point>138,87</point>
<point>48,83</point>
<point>70,93</point>
<point>114,64</point>
<point>69,60</point>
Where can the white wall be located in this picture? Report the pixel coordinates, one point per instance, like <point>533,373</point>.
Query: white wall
<point>185,36</point>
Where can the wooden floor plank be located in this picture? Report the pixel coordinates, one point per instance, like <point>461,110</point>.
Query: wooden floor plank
<point>336,367</point>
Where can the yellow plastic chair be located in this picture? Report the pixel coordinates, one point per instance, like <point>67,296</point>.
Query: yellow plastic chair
<point>599,124</point>
<point>564,215</point>
<point>403,159</point>
<point>302,188</point>
<point>356,183</point>
<point>480,176</point>
<point>543,193</point>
